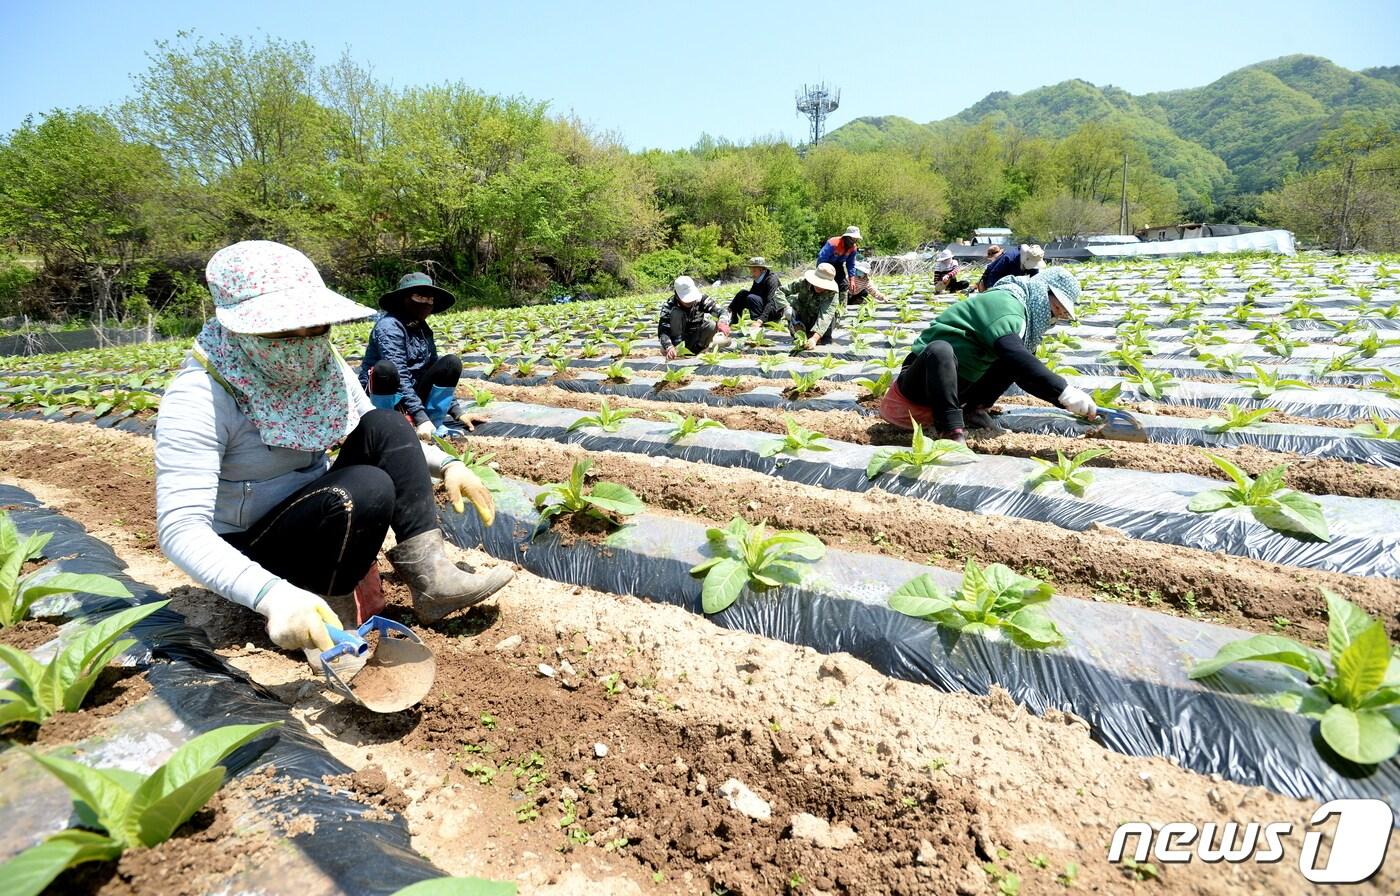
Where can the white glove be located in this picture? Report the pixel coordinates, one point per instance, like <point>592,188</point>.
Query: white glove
<point>426,430</point>
<point>1078,403</point>
<point>297,618</point>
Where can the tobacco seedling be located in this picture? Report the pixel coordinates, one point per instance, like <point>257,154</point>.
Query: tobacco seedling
<point>608,418</point>
<point>1389,382</point>
<point>686,425</point>
<point>42,690</point>
<point>797,439</point>
<point>1108,398</point>
<point>804,382</point>
<point>993,602</point>
<point>1067,471</point>
<point>731,382</point>
<point>1281,509</point>
<point>128,808</point>
<point>606,501</point>
<point>1357,702</point>
<point>19,593</point>
<point>922,452</point>
<point>1265,382</point>
<point>617,372</point>
<point>1378,429</point>
<point>876,388</point>
<point>749,555</point>
<point>1230,363</point>
<point>526,368</point>
<point>674,376</point>
<point>1152,383</point>
<point>479,464</point>
<point>1235,417</point>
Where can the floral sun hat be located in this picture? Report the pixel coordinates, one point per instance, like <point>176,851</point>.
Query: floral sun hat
<point>260,287</point>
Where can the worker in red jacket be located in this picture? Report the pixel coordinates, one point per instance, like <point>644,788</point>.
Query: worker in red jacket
<point>840,253</point>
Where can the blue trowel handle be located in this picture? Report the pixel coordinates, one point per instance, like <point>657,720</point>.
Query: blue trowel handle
<point>349,642</point>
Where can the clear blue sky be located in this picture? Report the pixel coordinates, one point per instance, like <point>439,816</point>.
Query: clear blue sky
<point>663,73</point>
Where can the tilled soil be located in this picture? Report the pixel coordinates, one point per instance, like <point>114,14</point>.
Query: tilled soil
<point>29,633</point>
<point>115,690</point>
<point>942,792</point>
<point>1312,475</point>
<point>1097,563</point>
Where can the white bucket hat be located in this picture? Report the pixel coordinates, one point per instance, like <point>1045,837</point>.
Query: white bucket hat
<point>944,261</point>
<point>260,287</point>
<point>863,268</point>
<point>758,261</point>
<point>824,277</point>
<point>686,291</point>
<point>853,232</point>
<point>1032,258</point>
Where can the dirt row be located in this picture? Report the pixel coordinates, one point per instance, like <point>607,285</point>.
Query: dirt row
<point>606,775</point>
<point>1312,475</point>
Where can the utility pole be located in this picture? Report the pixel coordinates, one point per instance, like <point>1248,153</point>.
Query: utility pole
<point>1123,203</point>
<point>1346,205</point>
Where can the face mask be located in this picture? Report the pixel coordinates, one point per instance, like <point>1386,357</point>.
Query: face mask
<point>287,363</point>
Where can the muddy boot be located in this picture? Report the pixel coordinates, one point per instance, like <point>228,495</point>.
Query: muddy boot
<point>438,586</point>
<point>978,418</point>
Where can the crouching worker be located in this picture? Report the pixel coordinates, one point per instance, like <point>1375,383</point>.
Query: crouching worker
<point>810,307</point>
<point>972,353</point>
<point>401,368</point>
<point>862,287</point>
<point>945,274</point>
<point>247,501</point>
<point>692,319</point>
<point>759,300</point>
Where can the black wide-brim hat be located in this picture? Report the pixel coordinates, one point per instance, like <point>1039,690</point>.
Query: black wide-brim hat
<point>421,283</point>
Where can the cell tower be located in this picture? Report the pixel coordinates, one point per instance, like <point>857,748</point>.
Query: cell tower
<point>817,101</point>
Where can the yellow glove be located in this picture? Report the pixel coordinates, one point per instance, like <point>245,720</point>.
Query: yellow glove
<point>462,483</point>
<point>297,618</point>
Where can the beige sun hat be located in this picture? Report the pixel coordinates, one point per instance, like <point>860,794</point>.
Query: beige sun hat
<point>852,232</point>
<point>944,262</point>
<point>824,277</point>
<point>259,286</point>
<point>1032,258</point>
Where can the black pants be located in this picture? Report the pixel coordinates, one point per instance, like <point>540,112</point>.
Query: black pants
<point>697,331</point>
<point>745,302</point>
<point>806,327</point>
<point>324,537</point>
<point>951,286</point>
<point>930,378</point>
<point>445,371</point>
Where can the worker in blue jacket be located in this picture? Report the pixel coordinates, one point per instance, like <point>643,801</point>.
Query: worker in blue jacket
<point>1023,262</point>
<point>840,253</point>
<point>401,369</point>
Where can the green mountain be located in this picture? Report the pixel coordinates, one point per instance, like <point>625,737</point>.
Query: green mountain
<point>1244,132</point>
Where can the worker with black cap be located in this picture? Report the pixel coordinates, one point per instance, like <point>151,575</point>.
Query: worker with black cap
<point>401,369</point>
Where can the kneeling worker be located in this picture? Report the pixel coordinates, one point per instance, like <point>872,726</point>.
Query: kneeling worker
<point>862,287</point>
<point>973,351</point>
<point>692,319</point>
<point>810,306</point>
<point>758,300</point>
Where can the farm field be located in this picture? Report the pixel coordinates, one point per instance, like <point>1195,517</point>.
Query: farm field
<point>949,671</point>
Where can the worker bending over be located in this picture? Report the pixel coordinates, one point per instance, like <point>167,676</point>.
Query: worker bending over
<point>973,351</point>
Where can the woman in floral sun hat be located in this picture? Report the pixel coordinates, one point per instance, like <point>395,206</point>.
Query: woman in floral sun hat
<point>247,500</point>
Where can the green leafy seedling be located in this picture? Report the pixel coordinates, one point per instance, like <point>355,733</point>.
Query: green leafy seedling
<point>993,602</point>
<point>608,418</point>
<point>1281,509</point>
<point>480,464</point>
<point>1235,417</point>
<point>42,690</point>
<point>19,593</point>
<point>606,501</point>
<point>1108,397</point>
<point>877,387</point>
<point>1152,383</point>
<point>1378,429</point>
<point>1266,382</point>
<point>617,372</point>
<point>687,425</point>
<point>1067,471</point>
<point>674,376</point>
<point>922,452</point>
<point>797,439</point>
<point>1357,702</point>
<point>749,555</point>
<point>120,810</point>
<point>482,397</point>
<point>804,381</point>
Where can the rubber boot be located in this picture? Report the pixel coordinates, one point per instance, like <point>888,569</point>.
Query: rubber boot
<point>978,418</point>
<point>439,403</point>
<point>439,586</point>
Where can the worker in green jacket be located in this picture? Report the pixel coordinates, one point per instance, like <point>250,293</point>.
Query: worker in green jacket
<point>972,353</point>
<point>810,306</point>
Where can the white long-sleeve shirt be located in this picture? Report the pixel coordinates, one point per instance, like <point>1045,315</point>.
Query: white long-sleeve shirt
<point>215,476</point>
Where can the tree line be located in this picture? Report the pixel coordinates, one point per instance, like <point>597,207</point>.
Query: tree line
<point>111,213</point>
